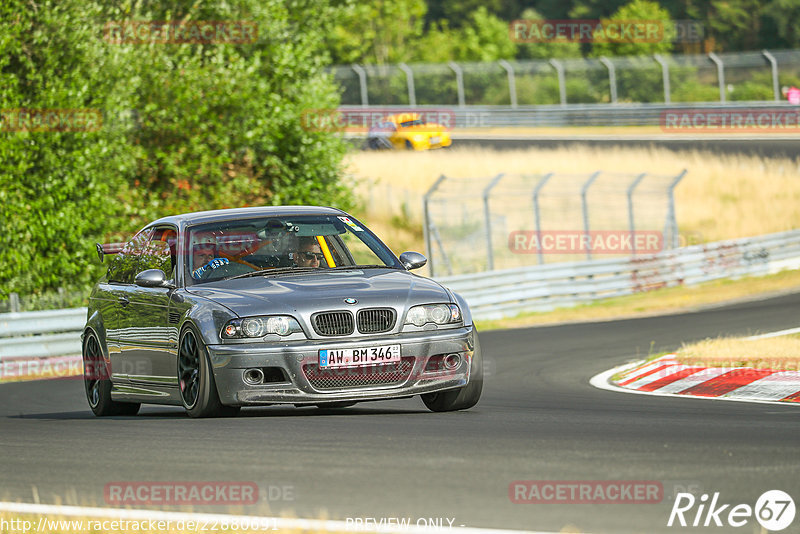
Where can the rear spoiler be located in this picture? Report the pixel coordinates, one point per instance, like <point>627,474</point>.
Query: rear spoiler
<point>108,248</point>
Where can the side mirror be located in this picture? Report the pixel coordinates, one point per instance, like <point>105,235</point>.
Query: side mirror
<point>151,278</point>
<point>412,260</point>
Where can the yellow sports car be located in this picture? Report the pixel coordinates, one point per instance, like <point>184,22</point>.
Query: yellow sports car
<point>407,131</point>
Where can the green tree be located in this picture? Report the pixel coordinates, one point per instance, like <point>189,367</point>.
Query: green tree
<point>638,10</point>
<point>219,125</point>
<point>485,38</point>
<point>729,24</point>
<point>781,24</point>
<point>545,50</point>
<point>379,31</point>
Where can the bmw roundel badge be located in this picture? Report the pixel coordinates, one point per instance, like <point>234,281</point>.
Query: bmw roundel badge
<point>350,300</point>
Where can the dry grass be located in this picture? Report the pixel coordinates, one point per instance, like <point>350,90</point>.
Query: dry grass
<point>722,196</point>
<point>770,353</point>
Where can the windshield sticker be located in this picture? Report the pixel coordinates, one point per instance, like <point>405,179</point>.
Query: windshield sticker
<point>351,224</point>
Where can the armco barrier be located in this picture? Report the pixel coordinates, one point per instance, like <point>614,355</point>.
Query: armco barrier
<point>623,114</point>
<point>41,334</point>
<point>497,294</point>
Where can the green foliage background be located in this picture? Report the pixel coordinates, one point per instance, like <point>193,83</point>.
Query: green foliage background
<point>187,126</point>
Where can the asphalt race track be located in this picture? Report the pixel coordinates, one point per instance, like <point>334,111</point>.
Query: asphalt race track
<point>539,419</point>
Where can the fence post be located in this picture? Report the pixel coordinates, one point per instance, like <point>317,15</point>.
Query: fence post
<point>13,301</point>
<point>664,76</point>
<point>585,209</point>
<point>412,93</point>
<point>537,221</point>
<point>631,220</point>
<point>776,90</point>
<point>512,83</point>
<point>720,74</point>
<point>562,84</point>
<point>671,221</point>
<point>459,82</point>
<point>427,220</point>
<point>362,80</point>
<point>488,220</point>
<point>612,78</point>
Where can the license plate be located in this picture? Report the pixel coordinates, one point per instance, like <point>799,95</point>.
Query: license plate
<point>356,357</point>
<point>435,140</point>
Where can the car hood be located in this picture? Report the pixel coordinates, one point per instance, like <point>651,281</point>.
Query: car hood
<point>324,290</point>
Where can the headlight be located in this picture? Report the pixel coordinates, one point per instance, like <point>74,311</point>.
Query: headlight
<point>283,325</point>
<point>433,313</point>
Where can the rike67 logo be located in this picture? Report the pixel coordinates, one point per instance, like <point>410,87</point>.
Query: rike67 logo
<point>774,510</point>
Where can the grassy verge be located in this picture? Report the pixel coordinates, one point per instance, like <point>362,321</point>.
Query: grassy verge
<point>770,353</point>
<point>660,301</point>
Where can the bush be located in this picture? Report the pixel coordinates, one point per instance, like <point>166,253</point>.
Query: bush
<point>217,125</point>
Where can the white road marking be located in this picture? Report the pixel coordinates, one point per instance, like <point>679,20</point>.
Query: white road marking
<point>775,334</point>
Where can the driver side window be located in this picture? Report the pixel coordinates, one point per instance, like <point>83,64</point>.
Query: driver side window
<point>160,252</point>
<point>125,265</point>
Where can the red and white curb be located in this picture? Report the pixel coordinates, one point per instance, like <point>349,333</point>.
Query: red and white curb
<point>666,376</point>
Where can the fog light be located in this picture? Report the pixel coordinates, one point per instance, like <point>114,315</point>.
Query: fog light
<point>451,361</point>
<point>253,376</point>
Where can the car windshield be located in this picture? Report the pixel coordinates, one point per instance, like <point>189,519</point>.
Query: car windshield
<point>280,245</point>
<point>415,122</point>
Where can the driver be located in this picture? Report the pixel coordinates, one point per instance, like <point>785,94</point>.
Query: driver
<point>308,253</point>
<point>204,258</point>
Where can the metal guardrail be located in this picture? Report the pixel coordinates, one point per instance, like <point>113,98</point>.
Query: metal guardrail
<point>41,334</point>
<point>497,294</point>
<point>505,293</point>
<point>652,114</point>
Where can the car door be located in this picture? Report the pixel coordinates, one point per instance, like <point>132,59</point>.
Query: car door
<point>150,341</point>
<point>121,271</point>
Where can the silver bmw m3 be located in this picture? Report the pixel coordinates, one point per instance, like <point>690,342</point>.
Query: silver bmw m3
<point>298,305</point>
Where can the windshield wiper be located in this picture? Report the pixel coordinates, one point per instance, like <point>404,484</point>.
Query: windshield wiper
<point>275,270</point>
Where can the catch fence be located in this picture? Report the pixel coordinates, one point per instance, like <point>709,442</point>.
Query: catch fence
<point>515,220</point>
<point>723,77</point>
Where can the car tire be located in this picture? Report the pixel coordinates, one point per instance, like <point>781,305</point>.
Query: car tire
<point>464,397</point>
<point>409,145</point>
<point>97,382</point>
<point>198,390</point>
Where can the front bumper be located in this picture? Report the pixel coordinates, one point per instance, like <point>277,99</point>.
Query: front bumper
<point>230,361</point>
